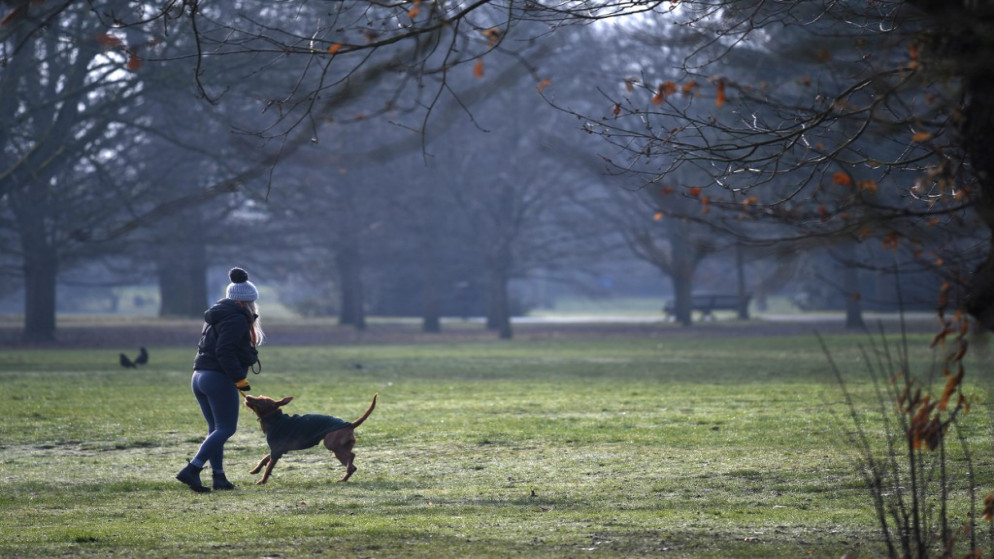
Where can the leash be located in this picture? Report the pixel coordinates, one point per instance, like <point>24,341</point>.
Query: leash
<point>256,368</point>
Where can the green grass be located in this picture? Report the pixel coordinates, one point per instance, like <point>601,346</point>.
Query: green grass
<point>571,448</point>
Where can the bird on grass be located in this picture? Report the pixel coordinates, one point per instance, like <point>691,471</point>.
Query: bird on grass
<point>127,363</point>
<point>142,357</point>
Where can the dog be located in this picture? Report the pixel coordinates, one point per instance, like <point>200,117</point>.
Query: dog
<point>296,432</point>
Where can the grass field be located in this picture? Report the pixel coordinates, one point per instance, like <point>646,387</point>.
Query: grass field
<point>629,447</point>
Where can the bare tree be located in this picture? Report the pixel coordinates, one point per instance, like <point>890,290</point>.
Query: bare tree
<point>82,142</point>
<point>778,102</point>
<point>841,120</point>
<point>59,169</point>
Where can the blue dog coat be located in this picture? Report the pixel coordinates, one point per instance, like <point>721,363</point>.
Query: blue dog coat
<point>295,432</point>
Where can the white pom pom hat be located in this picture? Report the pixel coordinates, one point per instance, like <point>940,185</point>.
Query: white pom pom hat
<point>240,288</point>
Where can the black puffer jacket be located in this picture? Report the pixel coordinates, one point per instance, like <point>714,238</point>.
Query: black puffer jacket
<point>226,344</point>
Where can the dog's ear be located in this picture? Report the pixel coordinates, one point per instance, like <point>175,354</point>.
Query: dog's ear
<point>284,401</point>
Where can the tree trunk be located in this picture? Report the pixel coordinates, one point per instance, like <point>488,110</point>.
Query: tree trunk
<point>682,295</point>
<point>498,301</point>
<point>741,283</point>
<point>979,301</point>
<point>41,267</point>
<point>500,305</point>
<point>182,271</point>
<point>431,320</point>
<point>683,264</point>
<point>352,309</point>
<point>850,286</point>
<point>430,297</point>
<point>977,120</point>
<point>40,271</point>
<point>854,309</point>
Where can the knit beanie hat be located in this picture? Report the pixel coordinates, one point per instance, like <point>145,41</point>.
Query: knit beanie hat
<point>240,288</point>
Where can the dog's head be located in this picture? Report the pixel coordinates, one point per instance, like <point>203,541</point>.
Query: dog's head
<point>264,406</point>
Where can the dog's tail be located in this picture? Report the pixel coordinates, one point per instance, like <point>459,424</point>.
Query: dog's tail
<point>359,421</point>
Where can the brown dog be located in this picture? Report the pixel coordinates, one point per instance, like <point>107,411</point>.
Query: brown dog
<point>295,432</point>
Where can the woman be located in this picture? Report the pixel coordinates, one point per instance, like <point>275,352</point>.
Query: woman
<point>226,351</point>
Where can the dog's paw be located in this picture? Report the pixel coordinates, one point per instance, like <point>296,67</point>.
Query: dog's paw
<point>260,481</point>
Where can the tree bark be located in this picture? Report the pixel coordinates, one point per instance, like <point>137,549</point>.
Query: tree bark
<point>430,297</point>
<point>977,122</point>
<point>741,283</point>
<point>41,268</point>
<point>682,295</point>
<point>182,271</point>
<point>352,310</point>
<point>500,305</point>
<point>854,309</point>
<point>499,264</point>
<point>682,265</point>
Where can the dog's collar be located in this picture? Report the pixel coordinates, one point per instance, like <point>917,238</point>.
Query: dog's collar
<point>277,411</point>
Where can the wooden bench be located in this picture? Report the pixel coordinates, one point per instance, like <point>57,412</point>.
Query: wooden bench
<point>706,303</point>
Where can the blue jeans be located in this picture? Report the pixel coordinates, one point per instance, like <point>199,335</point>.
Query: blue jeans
<point>218,399</point>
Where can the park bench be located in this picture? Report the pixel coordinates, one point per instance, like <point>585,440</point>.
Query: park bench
<point>707,303</point>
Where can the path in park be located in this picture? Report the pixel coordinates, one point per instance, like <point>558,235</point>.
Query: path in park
<point>124,333</point>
